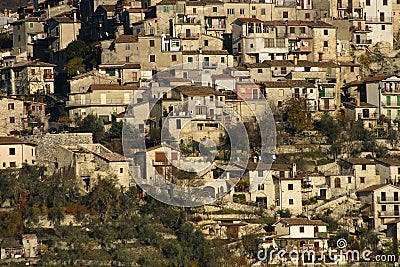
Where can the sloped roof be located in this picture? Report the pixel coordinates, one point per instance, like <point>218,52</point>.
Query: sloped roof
<point>375,187</point>
<point>112,87</point>
<point>359,161</point>
<point>190,90</point>
<point>388,161</point>
<point>301,221</point>
<point>11,140</point>
<point>289,84</point>
<point>125,38</point>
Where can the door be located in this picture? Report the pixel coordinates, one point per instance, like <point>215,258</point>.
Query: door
<point>326,103</point>
<point>296,92</point>
<point>255,93</point>
<point>396,210</point>
<point>381,16</point>
<point>211,112</point>
<point>358,39</point>
<point>396,196</point>
<point>103,99</point>
<point>322,193</point>
<point>206,61</point>
<point>383,196</point>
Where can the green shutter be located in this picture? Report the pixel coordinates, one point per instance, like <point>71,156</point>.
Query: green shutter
<point>398,114</point>
<point>398,100</point>
<point>389,113</point>
<point>388,100</point>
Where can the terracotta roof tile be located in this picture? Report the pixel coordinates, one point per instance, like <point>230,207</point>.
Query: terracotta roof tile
<point>302,221</point>
<point>10,140</point>
<point>289,84</point>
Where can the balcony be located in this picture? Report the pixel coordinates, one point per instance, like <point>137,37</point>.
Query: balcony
<point>378,19</point>
<point>188,21</point>
<point>98,102</point>
<point>389,214</point>
<point>208,65</point>
<point>390,104</point>
<point>367,116</point>
<point>48,77</point>
<point>388,200</point>
<point>191,36</point>
<point>327,95</point>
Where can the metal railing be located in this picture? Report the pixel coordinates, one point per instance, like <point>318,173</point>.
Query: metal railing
<point>88,102</point>
<point>379,19</point>
<point>388,200</point>
<point>389,214</point>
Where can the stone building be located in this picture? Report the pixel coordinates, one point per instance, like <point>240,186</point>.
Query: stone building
<point>12,115</point>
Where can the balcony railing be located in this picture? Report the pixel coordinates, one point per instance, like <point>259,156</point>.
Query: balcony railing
<point>379,19</point>
<point>367,117</point>
<point>90,102</point>
<point>191,36</point>
<point>48,77</point>
<point>388,200</point>
<point>327,95</point>
<point>389,214</point>
<point>207,65</point>
<point>390,104</point>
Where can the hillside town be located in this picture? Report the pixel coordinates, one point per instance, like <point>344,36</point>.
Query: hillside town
<point>200,133</point>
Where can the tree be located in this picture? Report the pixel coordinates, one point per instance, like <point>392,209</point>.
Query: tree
<point>329,127</point>
<point>75,66</point>
<point>75,49</point>
<point>94,125</point>
<point>116,130</point>
<point>298,115</point>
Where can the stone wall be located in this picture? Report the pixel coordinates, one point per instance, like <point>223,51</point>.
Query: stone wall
<point>47,144</point>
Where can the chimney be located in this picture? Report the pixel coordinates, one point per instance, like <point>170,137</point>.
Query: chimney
<point>294,170</point>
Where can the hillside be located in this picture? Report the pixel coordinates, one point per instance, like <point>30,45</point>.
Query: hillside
<point>12,4</point>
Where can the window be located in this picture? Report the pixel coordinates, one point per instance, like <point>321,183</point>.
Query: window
<point>194,10</point>
<point>33,71</point>
<point>211,98</point>
<point>285,15</point>
<point>241,11</point>
<point>364,167</point>
<point>351,69</point>
<point>260,173</point>
<point>325,43</point>
<point>31,24</point>
<point>190,59</point>
<point>291,201</point>
<point>385,2</point>
<point>290,187</point>
<point>11,106</point>
<point>292,30</point>
<point>121,170</point>
<point>12,119</point>
<point>362,180</point>
<point>215,9</point>
<point>13,164</point>
<point>151,42</point>
<point>326,32</point>
<point>178,124</point>
<point>269,42</point>
<point>301,229</point>
<point>349,180</point>
<point>231,11</point>
<point>337,182</point>
<point>126,59</point>
<point>205,42</point>
<point>127,47</point>
<point>16,74</point>
<point>383,207</point>
<point>166,8</point>
<point>222,59</point>
<point>152,58</point>
<point>173,58</point>
<point>11,151</point>
<point>367,2</point>
<point>396,196</point>
<point>261,187</point>
<point>19,38</point>
<point>303,30</point>
<point>307,15</point>
<point>383,27</point>
<point>260,71</point>
<point>262,11</point>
